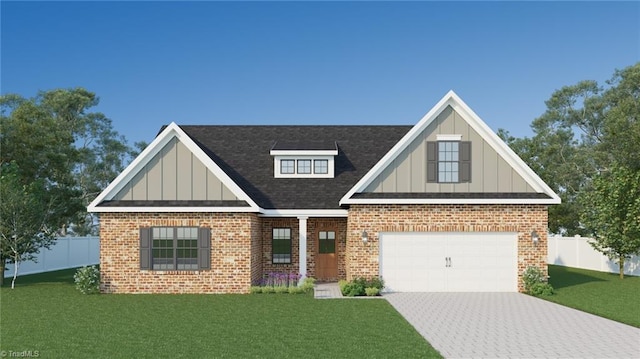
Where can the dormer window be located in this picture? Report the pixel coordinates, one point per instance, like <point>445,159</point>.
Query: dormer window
<point>288,166</point>
<point>320,167</point>
<point>304,160</point>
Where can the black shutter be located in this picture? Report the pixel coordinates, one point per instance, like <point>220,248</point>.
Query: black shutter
<point>432,162</point>
<point>145,248</point>
<point>204,248</point>
<point>465,161</point>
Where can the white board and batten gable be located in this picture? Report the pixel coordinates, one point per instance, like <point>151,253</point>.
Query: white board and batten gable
<point>414,170</point>
<point>173,169</point>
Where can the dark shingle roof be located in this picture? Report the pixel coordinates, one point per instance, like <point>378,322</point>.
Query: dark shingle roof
<point>243,153</point>
<point>313,145</point>
<point>453,195</point>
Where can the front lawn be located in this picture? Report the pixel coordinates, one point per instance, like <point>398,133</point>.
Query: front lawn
<point>45,313</point>
<point>599,293</point>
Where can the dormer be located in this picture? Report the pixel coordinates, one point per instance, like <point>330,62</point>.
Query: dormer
<point>304,159</point>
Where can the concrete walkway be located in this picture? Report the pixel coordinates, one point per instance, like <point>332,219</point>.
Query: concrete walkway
<point>327,291</point>
<point>512,325</point>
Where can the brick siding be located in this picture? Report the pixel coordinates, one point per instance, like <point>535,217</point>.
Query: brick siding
<point>313,226</point>
<point>234,248</point>
<point>362,260</point>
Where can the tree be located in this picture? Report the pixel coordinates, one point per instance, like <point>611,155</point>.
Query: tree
<point>58,154</point>
<point>612,213</point>
<point>54,137</point>
<point>26,221</point>
<point>585,128</point>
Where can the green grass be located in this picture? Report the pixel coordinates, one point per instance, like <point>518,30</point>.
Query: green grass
<point>45,313</point>
<point>599,293</point>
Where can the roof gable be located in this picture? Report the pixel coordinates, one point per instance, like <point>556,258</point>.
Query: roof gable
<point>506,158</point>
<point>191,181</point>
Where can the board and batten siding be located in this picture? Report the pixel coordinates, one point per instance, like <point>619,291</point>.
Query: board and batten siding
<point>175,174</point>
<point>490,173</point>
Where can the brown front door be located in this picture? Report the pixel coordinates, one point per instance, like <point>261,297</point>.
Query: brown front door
<point>327,260</point>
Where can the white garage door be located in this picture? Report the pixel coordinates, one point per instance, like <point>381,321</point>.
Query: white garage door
<point>449,262</point>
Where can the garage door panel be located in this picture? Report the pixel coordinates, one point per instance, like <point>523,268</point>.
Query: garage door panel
<point>415,262</point>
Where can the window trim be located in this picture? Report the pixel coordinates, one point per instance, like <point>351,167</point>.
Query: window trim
<point>277,167</point>
<point>304,160</point>
<point>293,168</point>
<point>203,249</point>
<point>433,160</point>
<point>290,239</point>
<point>326,161</point>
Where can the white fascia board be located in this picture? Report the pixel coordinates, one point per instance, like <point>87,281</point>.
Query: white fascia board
<point>171,131</point>
<point>303,152</point>
<point>174,209</point>
<point>451,99</point>
<point>399,147</point>
<point>451,201</point>
<point>503,149</point>
<point>304,213</point>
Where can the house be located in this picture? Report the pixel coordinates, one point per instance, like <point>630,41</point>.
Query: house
<point>444,205</point>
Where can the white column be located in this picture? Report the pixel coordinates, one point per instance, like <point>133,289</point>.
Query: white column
<point>302,246</point>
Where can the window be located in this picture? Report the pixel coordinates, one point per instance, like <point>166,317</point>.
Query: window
<point>175,248</point>
<point>326,242</point>
<point>287,166</point>
<point>320,166</point>
<point>281,246</point>
<point>304,166</point>
<point>448,161</point>
<point>448,154</point>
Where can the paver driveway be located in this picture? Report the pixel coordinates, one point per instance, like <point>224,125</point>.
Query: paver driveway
<point>512,325</point>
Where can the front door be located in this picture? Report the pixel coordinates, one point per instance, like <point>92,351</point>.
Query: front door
<point>326,258</point>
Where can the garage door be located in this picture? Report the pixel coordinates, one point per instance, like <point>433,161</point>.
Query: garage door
<point>449,262</point>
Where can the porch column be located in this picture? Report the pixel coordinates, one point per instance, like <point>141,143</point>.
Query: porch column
<point>302,246</point>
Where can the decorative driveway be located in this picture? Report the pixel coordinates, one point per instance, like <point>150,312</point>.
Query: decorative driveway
<point>512,325</point>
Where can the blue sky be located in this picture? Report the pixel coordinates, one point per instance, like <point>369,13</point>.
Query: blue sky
<point>312,62</point>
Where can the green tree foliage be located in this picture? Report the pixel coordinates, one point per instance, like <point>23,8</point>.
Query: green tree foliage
<point>612,213</point>
<point>26,218</point>
<point>56,152</point>
<point>585,128</point>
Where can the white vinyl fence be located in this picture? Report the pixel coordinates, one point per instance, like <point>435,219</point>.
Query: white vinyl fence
<point>577,252</point>
<point>67,252</point>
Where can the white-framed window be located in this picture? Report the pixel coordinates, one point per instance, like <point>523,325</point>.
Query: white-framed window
<point>287,166</point>
<point>304,166</point>
<point>320,166</point>
<point>448,161</point>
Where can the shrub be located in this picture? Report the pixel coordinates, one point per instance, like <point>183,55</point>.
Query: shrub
<point>87,280</point>
<point>535,282</point>
<point>541,289</point>
<point>256,289</point>
<point>355,288</point>
<point>358,285</point>
<point>376,282</point>
<point>308,284</point>
<point>281,289</point>
<point>372,291</point>
<point>267,289</point>
<point>296,290</point>
<point>342,284</point>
